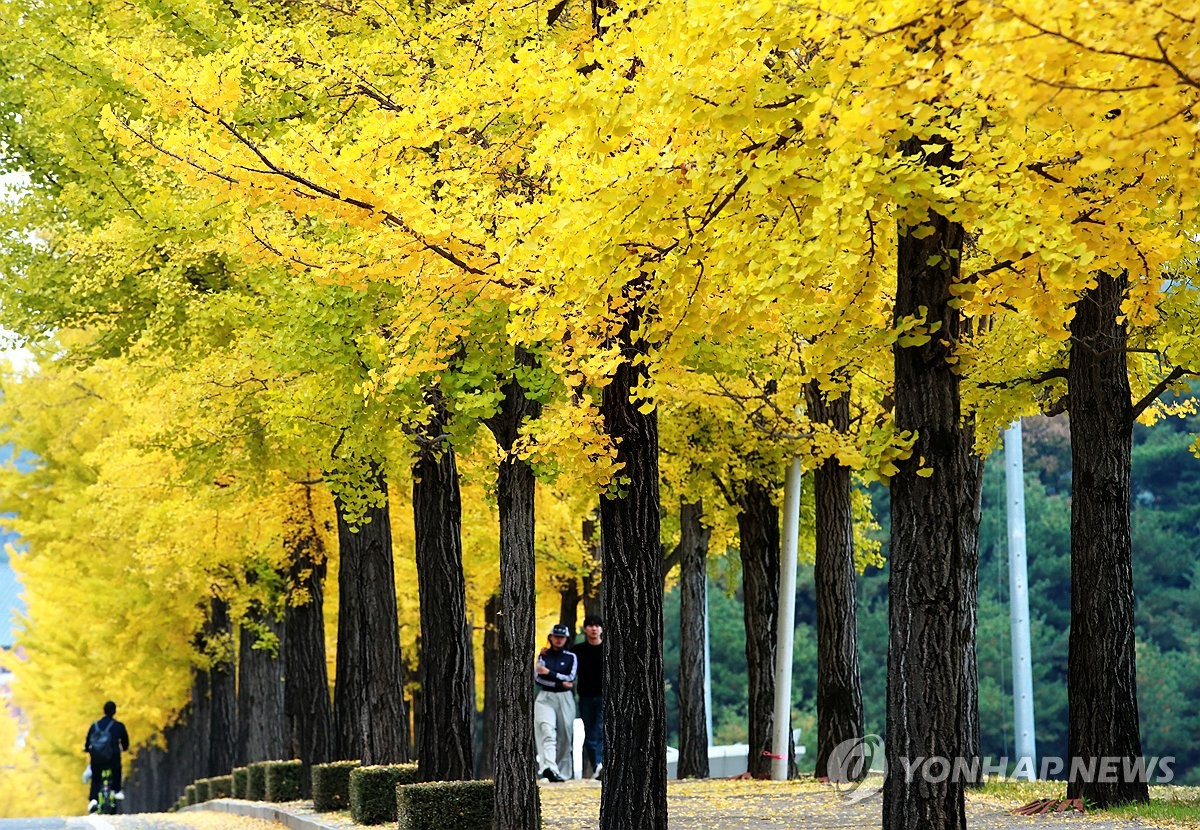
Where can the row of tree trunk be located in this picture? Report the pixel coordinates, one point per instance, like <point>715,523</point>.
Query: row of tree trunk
<point>932,683</point>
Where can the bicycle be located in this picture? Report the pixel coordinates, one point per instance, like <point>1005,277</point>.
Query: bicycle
<point>107,802</point>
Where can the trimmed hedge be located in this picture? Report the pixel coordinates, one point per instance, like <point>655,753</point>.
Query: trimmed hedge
<point>189,793</point>
<point>373,791</point>
<point>239,782</point>
<point>201,786</point>
<point>331,785</point>
<point>256,782</point>
<point>285,780</point>
<point>446,805</point>
<point>220,786</point>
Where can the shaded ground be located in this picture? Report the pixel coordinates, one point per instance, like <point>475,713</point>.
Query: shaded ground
<point>790,805</point>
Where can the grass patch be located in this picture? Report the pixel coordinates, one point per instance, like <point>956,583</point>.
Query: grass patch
<point>1172,806</point>
<point>1180,806</point>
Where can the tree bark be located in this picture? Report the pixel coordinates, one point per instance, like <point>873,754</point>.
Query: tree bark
<point>446,749</point>
<point>758,531</point>
<point>308,712</point>
<point>491,671</point>
<point>368,706</point>
<point>568,605</point>
<point>261,673</point>
<point>693,585</point>
<point>635,725</point>
<point>195,737</point>
<point>593,576</point>
<point>932,556</point>
<point>516,802</point>
<point>223,729</point>
<point>839,687</point>
<point>1101,669</point>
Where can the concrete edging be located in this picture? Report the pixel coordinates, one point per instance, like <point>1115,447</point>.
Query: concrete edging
<point>257,809</point>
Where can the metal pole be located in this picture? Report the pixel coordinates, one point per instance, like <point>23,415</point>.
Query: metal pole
<point>1018,591</point>
<point>785,628</point>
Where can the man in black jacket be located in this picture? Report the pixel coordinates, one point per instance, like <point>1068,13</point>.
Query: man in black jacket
<point>554,707</point>
<point>105,740</point>
<point>591,692</point>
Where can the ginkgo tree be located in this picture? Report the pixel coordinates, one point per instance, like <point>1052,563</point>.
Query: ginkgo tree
<point>623,202</point>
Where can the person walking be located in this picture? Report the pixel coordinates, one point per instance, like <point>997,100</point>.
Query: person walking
<point>105,740</point>
<point>590,686</point>
<point>554,706</point>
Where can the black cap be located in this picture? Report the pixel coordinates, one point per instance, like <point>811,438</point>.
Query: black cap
<point>560,630</point>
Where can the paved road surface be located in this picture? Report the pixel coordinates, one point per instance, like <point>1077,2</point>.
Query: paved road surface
<point>708,805</point>
<point>145,821</point>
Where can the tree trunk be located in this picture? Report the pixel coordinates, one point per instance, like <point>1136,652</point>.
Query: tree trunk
<point>693,579</point>
<point>516,802</point>
<point>971,746</point>
<point>491,670</point>
<point>593,575</point>
<point>146,785</point>
<point>635,725</point>
<point>222,743</point>
<point>261,674</point>
<point>758,531</point>
<point>368,704</point>
<point>1101,672</point>
<point>839,687</point>
<point>198,733</point>
<point>568,604</point>
<point>446,749</point>
<point>308,713</point>
<point>932,557</point>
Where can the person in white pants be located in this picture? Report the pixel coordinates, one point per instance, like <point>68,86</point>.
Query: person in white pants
<point>554,707</point>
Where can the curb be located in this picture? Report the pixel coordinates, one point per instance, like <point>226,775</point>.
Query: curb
<point>257,809</point>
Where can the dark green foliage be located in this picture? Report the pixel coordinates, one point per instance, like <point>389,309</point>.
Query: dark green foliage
<point>256,782</point>
<point>179,804</point>
<point>445,805</point>
<point>201,790</point>
<point>373,791</point>
<point>220,786</point>
<point>189,794</point>
<point>284,780</point>
<point>331,785</point>
<point>240,782</point>
<point>727,633</point>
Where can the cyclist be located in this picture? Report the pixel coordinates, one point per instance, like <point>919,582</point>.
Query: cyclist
<point>104,742</point>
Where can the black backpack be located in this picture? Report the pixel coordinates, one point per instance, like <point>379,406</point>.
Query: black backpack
<point>102,744</point>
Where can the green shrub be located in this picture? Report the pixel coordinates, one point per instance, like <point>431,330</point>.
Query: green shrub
<point>373,791</point>
<point>256,782</point>
<point>201,786</point>
<point>220,786</point>
<point>285,779</point>
<point>189,793</point>
<point>239,782</point>
<point>179,804</point>
<point>445,805</point>
<point>331,785</point>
